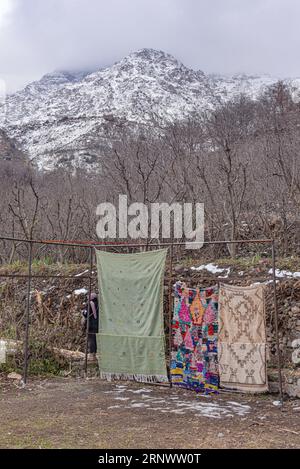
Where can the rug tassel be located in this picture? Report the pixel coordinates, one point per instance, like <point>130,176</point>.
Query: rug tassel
<point>134,377</point>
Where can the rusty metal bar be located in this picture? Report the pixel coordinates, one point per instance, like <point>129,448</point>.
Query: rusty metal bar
<point>26,341</point>
<point>180,243</point>
<point>279,363</point>
<point>45,276</point>
<point>45,242</point>
<point>170,310</point>
<point>88,315</point>
<point>99,245</point>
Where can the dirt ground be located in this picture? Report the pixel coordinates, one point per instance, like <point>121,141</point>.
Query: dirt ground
<point>78,413</point>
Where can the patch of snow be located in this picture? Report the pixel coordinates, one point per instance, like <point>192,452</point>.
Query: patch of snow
<point>226,275</point>
<point>244,406</point>
<point>172,404</point>
<point>139,404</point>
<point>115,391</point>
<point>284,273</point>
<point>157,401</point>
<point>179,405</point>
<point>139,391</point>
<point>212,268</point>
<point>267,282</point>
<point>80,291</point>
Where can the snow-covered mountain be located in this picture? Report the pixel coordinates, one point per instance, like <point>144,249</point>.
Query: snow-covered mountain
<point>63,118</point>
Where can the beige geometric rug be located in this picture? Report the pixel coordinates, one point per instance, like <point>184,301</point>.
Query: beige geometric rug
<point>242,338</point>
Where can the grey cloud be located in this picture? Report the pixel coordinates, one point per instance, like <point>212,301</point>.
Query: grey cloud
<point>224,36</point>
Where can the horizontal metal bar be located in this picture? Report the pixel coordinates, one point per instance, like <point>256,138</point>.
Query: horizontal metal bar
<point>48,242</point>
<point>46,276</point>
<point>98,245</point>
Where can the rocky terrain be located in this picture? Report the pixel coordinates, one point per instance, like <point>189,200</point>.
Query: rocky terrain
<point>9,150</point>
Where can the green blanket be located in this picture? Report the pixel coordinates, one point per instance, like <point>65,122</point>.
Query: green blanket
<point>131,342</point>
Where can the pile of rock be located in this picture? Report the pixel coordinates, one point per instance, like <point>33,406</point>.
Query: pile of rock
<point>288,299</point>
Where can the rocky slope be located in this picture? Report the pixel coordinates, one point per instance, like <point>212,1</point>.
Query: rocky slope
<point>65,117</point>
<point>9,150</point>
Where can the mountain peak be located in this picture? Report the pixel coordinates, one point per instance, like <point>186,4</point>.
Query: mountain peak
<point>152,54</point>
<point>151,57</point>
<point>157,65</point>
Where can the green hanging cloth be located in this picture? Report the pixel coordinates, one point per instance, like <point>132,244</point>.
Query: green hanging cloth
<point>131,341</point>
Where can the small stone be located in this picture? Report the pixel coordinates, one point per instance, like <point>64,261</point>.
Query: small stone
<point>296,409</point>
<point>14,375</point>
<point>220,435</point>
<point>277,403</point>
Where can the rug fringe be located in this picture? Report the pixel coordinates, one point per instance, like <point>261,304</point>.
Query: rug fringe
<point>134,377</point>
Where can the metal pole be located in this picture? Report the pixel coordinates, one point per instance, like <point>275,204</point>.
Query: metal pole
<point>88,314</point>
<point>44,276</point>
<point>99,245</point>
<point>279,364</point>
<point>170,310</point>
<point>26,342</point>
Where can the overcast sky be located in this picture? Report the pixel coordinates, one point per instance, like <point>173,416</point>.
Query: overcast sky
<point>223,36</point>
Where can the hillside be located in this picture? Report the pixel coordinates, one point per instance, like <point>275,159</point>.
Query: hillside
<point>69,116</point>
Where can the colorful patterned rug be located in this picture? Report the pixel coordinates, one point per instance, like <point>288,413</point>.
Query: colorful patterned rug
<point>194,358</point>
<point>242,338</point>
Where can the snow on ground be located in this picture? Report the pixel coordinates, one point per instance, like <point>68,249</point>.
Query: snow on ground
<point>285,273</point>
<point>213,269</point>
<point>80,291</point>
<point>267,282</point>
<point>198,404</point>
